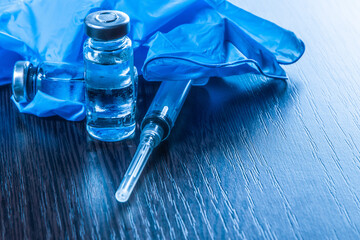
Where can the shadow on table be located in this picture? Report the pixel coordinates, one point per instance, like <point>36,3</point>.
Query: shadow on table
<point>220,113</point>
<point>222,102</point>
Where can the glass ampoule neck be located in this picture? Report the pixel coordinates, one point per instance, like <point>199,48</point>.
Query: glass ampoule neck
<point>109,45</point>
<point>31,82</point>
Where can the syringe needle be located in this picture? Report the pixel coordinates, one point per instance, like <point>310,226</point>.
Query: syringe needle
<point>134,171</point>
<point>150,137</point>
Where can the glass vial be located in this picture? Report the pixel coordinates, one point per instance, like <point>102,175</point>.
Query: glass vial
<point>109,77</point>
<point>61,80</point>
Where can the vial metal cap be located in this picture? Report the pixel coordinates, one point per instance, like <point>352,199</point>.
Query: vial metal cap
<point>107,25</point>
<point>20,74</point>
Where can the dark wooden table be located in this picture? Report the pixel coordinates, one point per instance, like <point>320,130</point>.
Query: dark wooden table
<point>261,159</point>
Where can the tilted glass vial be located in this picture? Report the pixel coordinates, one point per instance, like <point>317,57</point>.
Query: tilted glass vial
<point>60,80</point>
<point>109,76</point>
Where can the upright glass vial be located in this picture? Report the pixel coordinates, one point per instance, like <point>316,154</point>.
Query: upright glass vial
<point>109,76</point>
<point>60,80</point>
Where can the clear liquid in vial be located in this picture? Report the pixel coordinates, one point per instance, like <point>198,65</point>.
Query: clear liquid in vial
<point>111,102</point>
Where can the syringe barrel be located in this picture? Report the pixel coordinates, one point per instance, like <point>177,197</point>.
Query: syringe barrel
<point>167,104</point>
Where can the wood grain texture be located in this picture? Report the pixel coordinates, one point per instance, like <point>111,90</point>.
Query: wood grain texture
<point>261,159</point>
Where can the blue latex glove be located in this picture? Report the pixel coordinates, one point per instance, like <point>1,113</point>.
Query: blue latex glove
<point>45,106</point>
<point>172,40</point>
<point>219,39</point>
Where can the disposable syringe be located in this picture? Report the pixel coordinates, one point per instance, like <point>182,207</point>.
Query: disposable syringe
<point>155,127</point>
